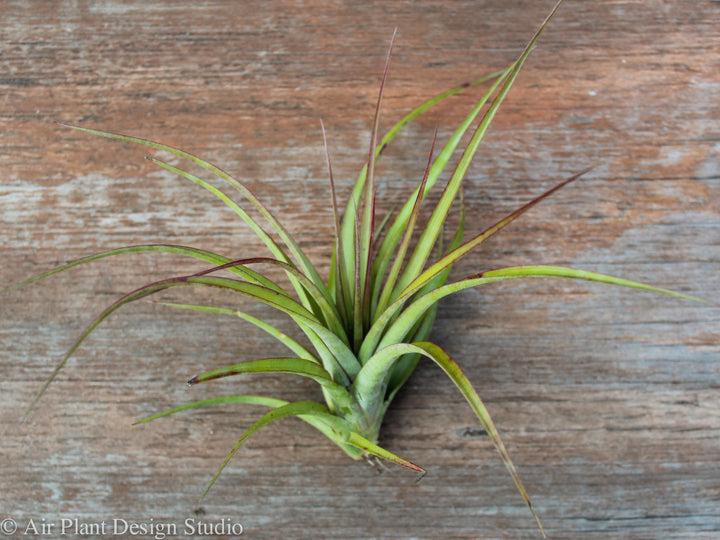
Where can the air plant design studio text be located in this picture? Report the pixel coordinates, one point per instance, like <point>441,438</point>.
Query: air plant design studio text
<point>121,527</point>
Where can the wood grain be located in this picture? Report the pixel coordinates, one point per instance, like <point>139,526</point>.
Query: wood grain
<point>607,400</point>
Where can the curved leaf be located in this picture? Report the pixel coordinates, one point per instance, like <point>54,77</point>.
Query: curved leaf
<point>283,338</point>
<point>438,268</point>
<point>293,246</point>
<point>400,224</point>
<point>462,250</point>
<point>367,210</point>
<point>304,318</point>
<point>336,429</point>
<point>291,409</point>
<point>371,382</point>
<point>141,248</point>
<point>357,440</point>
<point>349,222</point>
<point>415,310</point>
<point>222,400</point>
<point>452,370</point>
<point>427,239</point>
<point>340,399</point>
<point>276,250</point>
<point>404,244</point>
<point>259,231</point>
<point>544,271</point>
<point>328,310</point>
<point>347,436</point>
<point>296,366</point>
<point>333,427</point>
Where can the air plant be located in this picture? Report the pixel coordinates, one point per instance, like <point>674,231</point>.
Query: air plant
<point>368,323</point>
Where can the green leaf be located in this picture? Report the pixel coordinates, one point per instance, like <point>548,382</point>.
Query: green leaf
<point>543,271</point>
<point>415,310</point>
<point>395,130</point>
<point>291,409</point>
<point>332,427</point>
<point>406,238</point>
<point>283,338</point>
<point>452,370</point>
<point>371,383</point>
<point>442,266</point>
<point>256,228</point>
<point>391,239</point>
<point>343,434</point>
<point>292,245</point>
<point>222,400</point>
<point>165,248</point>
<point>132,296</point>
<point>336,284</point>
<point>328,312</point>
<point>335,428</point>
<point>337,358</point>
<point>462,250</point>
<point>341,400</point>
<point>367,211</point>
<point>370,447</point>
<point>422,328</point>
<point>342,358</point>
<point>339,431</point>
<point>296,366</point>
<point>349,222</point>
<point>305,296</point>
<point>340,363</point>
<point>427,239</point>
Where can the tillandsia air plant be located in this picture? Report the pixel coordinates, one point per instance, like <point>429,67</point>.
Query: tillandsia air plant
<point>368,322</point>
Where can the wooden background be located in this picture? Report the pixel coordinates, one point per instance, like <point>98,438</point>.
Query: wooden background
<point>608,400</point>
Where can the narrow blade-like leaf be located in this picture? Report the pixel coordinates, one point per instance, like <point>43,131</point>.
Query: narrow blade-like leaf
<point>283,338</point>
<point>545,271</point>
<point>222,400</point>
<point>399,225</point>
<point>293,246</point>
<point>275,249</point>
<point>405,241</point>
<point>296,366</point>
<point>328,311</point>
<point>468,246</point>
<point>349,222</point>
<point>370,447</point>
<point>367,214</point>
<point>142,248</point>
<point>427,239</point>
<point>452,370</point>
<point>376,331</point>
<point>371,382</point>
<point>291,409</point>
<point>344,357</point>
<point>415,310</point>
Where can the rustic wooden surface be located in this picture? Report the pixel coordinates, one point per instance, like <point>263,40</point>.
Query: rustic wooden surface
<point>607,400</point>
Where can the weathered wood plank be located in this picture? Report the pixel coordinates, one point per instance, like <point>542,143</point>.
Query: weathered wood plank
<point>607,400</point>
